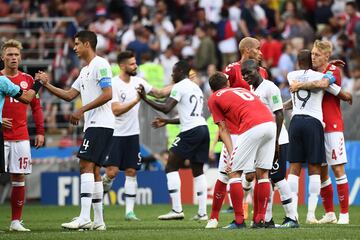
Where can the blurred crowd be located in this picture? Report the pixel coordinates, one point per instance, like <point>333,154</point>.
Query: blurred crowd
<point>204,32</point>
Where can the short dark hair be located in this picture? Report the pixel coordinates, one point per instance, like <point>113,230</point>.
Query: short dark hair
<point>125,55</point>
<point>304,59</point>
<point>250,63</point>
<point>217,81</point>
<point>184,66</point>
<point>87,36</point>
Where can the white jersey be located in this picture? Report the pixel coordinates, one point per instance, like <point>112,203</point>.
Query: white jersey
<point>270,95</point>
<point>127,124</point>
<point>307,102</point>
<point>190,100</point>
<point>88,84</point>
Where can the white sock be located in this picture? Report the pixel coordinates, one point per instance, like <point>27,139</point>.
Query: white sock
<point>228,193</point>
<point>286,198</point>
<point>341,180</point>
<point>293,181</point>
<point>174,184</point>
<point>268,214</point>
<point>201,191</point>
<point>86,191</point>
<point>130,193</point>
<point>97,202</point>
<point>314,191</point>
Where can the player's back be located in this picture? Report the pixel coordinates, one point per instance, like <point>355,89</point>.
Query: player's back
<point>306,102</point>
<point>241,108</point>
<point>190,100</point>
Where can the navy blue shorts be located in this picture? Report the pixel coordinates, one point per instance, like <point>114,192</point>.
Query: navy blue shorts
<point>124,153</point>
<point>306,140</point>
<point>278,170</point>
<point>96,144</point>
<point>193,144</point>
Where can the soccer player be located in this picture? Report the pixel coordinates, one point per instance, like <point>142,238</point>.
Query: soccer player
<point>334,137</point>
<point>306,131</point>
<point>125,150</point>
<point>16,136</point>
<point>94,87</point>
<point>270,95</point>
<point>249,49</point>
<point>192,142</point>
<point>255,145</point>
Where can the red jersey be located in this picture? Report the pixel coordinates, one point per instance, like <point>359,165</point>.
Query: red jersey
<point>239,108</point>
<point>233,73</point>
<point>17,111</point>
<point>332,116</point>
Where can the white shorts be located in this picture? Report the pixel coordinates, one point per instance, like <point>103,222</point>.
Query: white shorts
<point>335,148</point>
<point>17,157</point>
<point>255,148</point>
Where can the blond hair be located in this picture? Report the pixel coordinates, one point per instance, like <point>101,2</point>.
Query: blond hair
<point>324,46</point>
<point>247,42</point>
<point>11,43</point>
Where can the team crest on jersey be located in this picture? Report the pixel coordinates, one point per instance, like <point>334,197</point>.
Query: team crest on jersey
<point>24,84</point>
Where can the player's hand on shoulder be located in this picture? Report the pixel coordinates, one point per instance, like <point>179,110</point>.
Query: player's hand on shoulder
<point>337,62</point>
<point>7,123</point>
<point>158,122</point>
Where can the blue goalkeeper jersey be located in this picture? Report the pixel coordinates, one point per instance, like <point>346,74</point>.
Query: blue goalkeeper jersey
<point>7,88</point>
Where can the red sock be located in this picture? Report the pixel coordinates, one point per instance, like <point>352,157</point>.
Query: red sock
<point>327,196</point>
<point>263,196</point>
<point>218,198</point>
<point>17,200</point>
<point>237,195</point>
<point>343,195</point>
<point>255,197</point>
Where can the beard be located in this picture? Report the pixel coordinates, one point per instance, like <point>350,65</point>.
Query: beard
<point>131,73</point>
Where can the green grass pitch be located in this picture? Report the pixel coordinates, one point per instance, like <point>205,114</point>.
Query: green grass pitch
<point>44,221</point>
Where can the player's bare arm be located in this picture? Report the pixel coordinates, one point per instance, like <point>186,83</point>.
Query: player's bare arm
<point>320,84</point>
<point>27,96</point>
<point>165,108</point>
<point>161,93</point>
<point>104,97</point>
<point>279,119</point>
<point>225,136</point>
<point>67,95</point>
<point>121,108</point>
<point>161,122</point>
<point>345,96</point>
<point>288,105</point>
